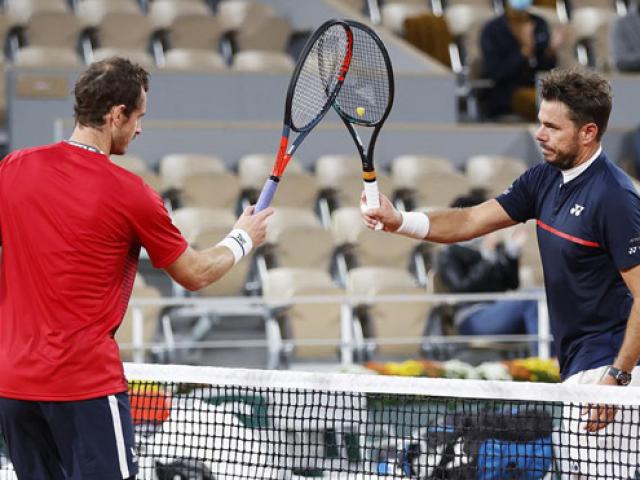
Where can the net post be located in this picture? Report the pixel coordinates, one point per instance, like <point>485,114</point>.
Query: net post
<point>544,344</point>
<point>346,335</point>
<point>137,334</point>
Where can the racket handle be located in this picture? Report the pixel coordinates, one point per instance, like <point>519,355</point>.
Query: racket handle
<point>373,197</point>
<point>267,193</point>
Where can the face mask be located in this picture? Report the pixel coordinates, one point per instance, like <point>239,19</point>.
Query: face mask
<point>520,4</point>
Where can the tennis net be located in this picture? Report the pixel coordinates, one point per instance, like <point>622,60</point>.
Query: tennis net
<point>216,423</point>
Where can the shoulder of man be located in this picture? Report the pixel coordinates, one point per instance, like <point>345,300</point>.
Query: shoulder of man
<point>23,153</point>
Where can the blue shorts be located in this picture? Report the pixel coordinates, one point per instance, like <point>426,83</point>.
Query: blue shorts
<point>77,440</point>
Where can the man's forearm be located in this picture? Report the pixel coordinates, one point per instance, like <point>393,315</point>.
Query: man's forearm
<point>450,225</point>
<point>214,263</point>
<point>629,353</point>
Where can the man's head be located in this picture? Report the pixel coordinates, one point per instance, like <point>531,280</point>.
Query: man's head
<point>573,115</point>
<point>112,94</point>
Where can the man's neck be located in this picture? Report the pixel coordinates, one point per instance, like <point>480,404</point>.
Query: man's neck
<point>586,154</point>
<point>92,137</point>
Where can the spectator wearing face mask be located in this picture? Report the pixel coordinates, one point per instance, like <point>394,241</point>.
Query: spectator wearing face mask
<point>515,46</point>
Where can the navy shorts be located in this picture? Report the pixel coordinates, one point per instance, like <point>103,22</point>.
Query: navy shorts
<point>78,440</point>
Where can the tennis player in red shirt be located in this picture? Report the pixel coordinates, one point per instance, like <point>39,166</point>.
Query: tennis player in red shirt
<point>71,227</point>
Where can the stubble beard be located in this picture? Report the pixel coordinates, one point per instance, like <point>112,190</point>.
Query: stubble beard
<point>564,160</point>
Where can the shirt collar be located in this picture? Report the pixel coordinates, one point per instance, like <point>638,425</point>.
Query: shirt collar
<point>570,174</point>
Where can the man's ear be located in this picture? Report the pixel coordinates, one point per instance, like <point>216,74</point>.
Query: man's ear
<point>588,133</point>
<point>117,114</point>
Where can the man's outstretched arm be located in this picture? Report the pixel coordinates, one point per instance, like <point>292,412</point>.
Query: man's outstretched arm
<point>449,225</point>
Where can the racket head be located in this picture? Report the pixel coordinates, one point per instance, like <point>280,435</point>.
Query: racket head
<point>367,95</point>
<point>318,76</point>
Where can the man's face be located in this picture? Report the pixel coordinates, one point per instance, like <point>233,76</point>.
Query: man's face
<point>557,135</point>
<point>131,126</point>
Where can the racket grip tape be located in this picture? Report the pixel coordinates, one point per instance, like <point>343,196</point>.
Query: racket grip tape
<point>373,197</point>
<point>267,193</point>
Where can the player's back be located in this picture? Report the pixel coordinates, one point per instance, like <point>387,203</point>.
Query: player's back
<point>69,257</point>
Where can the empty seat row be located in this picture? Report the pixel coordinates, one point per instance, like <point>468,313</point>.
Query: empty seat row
<point>414,181</point>
<point>180,34</point>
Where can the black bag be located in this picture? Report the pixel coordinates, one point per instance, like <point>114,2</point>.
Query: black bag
<point>490,445</point>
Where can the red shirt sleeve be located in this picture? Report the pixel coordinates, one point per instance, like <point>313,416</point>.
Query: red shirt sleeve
<point>155,230</point>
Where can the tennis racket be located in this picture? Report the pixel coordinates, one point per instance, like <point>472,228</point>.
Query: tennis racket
<point>366,99</point>
<point>316,80</point>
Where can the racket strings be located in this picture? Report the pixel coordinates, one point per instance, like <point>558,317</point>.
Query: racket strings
<point>319,76</point>
<point>366,93</point>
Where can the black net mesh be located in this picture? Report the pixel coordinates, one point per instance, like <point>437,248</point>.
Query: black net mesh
<point>206,431</point>
<point>318,76</point>
<point>366,91</point>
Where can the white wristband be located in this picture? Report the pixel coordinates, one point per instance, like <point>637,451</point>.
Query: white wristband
<point>239,242</point>
<point>415,225</point>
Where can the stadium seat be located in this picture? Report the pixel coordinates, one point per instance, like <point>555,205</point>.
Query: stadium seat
<point>531,275</point>
<point>138,166</point>
<point>147,315</point>
<point>429,32</point>
<point>20,11</point>
<point>193,60</point>
<point>193,221</point>
<point>234,13</point>
<point>164,13</point>
<point>298,189</point>
<point>465,23</point>
<point>382,320</point>
<point>94,10</point>
<point>196,180</point>
<point>189,25</point>
<point>175,167</point>
<point>340,180</point>
<point>600,4</point>
<point>493,173</point>
<point>141,57</point>
<point>314,321</point>
<point>53,28</point>
<point>220,190</point>
<point>370,248</point>
<point>296,238</point>
<point>405,169</point>
<point>427,181</point>
<point>204,228</point>
<point>270,34</point>
<point>395,13</point>
<point>262,61</point>
<point>120,28</point>
<point>46,57</point>
<point>591,26</point>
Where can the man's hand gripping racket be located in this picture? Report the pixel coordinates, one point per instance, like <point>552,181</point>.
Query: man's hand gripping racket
<point>316,80</point>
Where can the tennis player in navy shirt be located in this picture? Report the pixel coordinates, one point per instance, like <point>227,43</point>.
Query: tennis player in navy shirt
<point>588,217</point>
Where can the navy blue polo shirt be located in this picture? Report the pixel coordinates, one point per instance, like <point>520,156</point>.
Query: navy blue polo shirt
<point>588,231</point>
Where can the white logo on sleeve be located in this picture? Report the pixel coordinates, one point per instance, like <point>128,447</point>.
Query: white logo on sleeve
<point>576,210</point>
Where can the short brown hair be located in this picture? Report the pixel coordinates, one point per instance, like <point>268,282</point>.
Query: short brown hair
<point>104,84</point>
<point>586,94</point>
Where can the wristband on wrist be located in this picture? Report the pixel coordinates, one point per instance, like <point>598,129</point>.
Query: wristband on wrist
<point>414,225</point>
<point>239,242</point>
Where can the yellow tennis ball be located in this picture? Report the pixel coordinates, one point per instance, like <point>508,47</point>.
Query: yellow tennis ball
<point>360,111</point>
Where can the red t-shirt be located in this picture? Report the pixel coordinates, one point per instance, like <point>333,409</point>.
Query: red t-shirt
<point>71,226</point>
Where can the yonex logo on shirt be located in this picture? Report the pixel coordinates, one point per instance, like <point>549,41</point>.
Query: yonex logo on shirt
<point>576,210</point>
